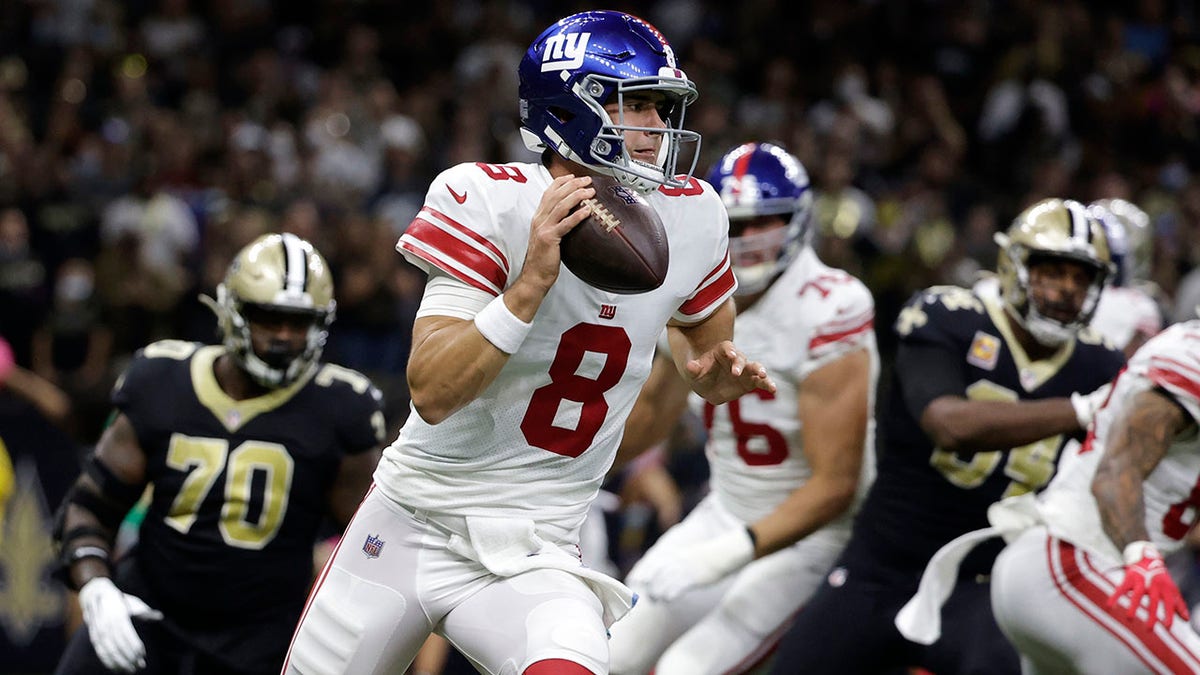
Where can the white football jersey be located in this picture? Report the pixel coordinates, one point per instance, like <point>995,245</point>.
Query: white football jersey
<point>813,314</point>
<point>1169,361</point>
<point>538,441</point>
<point>1125,311</point>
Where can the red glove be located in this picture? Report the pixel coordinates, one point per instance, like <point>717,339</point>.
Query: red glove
<point>1145,574</point>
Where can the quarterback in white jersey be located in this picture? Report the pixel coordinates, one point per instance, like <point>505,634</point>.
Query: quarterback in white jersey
<point>599,346</point>
<point>786,468</point>
<point>521,377</point>
<point>1085,590</point>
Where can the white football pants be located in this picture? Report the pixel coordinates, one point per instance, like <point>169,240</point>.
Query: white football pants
<point>392,581</point>
<point>728,626</point>
<point>1050,598</point>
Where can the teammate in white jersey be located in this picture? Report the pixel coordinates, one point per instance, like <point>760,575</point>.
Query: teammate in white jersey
<point>1085,590</point>
<point>718,588</point>
<point>522,376</point>
<point>1127,313</point>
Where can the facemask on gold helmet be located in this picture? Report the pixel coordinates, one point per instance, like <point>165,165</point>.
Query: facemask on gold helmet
<point>282,274</point>
<point>1051,228</point>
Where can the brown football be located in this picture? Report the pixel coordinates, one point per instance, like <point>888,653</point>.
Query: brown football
<point>622,246</point>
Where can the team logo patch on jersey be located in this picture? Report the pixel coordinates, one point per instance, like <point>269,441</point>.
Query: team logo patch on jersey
<point>373,546</point>
<point>608,311</point>
<point>984,351</point>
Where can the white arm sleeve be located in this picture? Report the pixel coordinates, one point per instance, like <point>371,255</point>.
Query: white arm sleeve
<point>447,296</point>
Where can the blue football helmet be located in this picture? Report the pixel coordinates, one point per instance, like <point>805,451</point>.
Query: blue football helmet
<point>1129,240</point>
<point>761,179</point>
<point>586,60</point>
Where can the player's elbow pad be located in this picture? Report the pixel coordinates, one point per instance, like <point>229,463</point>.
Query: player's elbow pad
<point>106,497</point>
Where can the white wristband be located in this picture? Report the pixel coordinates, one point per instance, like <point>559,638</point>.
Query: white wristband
<point>501,327</point>
<point>1137,550</point>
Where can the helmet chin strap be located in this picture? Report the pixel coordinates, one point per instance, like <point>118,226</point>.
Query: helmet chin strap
<point>646,185</point>
<point>1048,332</point>
<point>259,371</point>
<point>639,183</point>
<point>269,377</point>
<point>237,343</point>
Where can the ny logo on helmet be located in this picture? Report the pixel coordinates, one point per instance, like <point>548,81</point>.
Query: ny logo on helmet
<point>565,51</point>
<point>741,189</point>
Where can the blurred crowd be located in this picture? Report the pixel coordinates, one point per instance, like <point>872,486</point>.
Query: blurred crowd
<point>144,142</point>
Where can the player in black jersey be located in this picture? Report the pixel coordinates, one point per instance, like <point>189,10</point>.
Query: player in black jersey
<point>247,447</point>
<point>987,386</point>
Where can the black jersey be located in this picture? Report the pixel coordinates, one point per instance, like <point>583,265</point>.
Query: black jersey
<point>924,496</point>
<point>239,488</point>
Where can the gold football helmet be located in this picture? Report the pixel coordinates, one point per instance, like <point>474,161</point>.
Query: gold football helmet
<point>1051,228</point>
<point>1129,237</point>
<point>278,273</point>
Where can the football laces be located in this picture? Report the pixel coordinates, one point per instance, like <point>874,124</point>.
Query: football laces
<point>607,218</point>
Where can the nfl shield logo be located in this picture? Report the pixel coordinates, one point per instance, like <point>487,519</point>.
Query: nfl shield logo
<point>625,194</point>
<point>373,546</point>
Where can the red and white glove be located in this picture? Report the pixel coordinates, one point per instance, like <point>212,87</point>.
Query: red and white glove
<point>699,565</point>
<point>1146,575</point>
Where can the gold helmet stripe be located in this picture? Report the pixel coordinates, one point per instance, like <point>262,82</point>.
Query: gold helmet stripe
<point>295,265</point>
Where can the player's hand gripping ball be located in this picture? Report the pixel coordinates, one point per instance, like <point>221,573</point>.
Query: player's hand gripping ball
<point>622,246</point>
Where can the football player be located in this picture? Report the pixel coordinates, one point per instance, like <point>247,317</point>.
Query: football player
<point>787,468</point>
<point>1128,313</point>
<point>1085,588</point>
<point>984,391</point>
<point>522,376</point>
<point>247,446</point>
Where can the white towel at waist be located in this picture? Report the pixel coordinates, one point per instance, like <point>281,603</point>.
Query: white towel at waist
<point>511,546</point>
<point>920,620</point>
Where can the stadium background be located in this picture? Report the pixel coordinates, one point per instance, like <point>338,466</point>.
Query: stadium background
<point>143,142</point>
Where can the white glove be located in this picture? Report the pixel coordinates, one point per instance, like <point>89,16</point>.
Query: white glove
<point>1087,405</point>
<point>697,565</point>
<point>108,613</point>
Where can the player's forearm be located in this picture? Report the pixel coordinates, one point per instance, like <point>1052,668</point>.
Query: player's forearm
<point>1139,440</point>
<point>711,364</point>
<point>810,507</point>
<point>958,424</point>
<point>83,570</point>
<point>689,342</point>
<point>1117,488</point>
<point>450,366</point>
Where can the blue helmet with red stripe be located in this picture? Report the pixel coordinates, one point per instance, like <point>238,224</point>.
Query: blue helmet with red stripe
<point>757,180</point>
<point>587,60</point>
